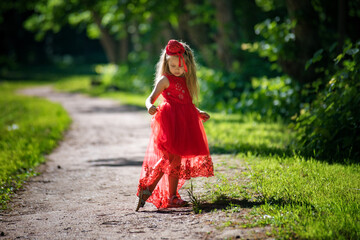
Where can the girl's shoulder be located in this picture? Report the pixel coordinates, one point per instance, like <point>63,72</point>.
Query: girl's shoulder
<point>163,81</point>
<point>173,77</point>
<point>169,78</point>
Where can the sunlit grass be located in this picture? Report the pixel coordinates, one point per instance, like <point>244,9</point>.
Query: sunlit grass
<point>307,198</point>
<point>75,83</point>
<point>29,128</point>
<point>127,98</point>
<point>238,133</point>
<point>300,198</point>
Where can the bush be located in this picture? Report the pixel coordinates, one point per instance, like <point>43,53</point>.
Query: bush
<point>133,78</point>
<point>270,97</point>
<point>330,126</point>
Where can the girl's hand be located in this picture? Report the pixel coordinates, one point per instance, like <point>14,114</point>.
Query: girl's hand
<point>152,110</point>
<point>204,116</point>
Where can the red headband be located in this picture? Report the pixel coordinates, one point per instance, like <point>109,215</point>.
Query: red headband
<point>175,48</point>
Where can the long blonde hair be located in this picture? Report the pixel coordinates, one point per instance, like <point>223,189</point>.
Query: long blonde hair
<point>162,67</point>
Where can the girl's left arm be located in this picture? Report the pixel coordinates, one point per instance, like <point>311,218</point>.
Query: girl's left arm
<point>160,86</point>
<point>203,115</point>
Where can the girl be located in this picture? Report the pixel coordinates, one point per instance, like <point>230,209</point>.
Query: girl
<point>178,148</point>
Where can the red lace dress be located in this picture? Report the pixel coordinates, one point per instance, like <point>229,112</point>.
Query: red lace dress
<point>177,129</point>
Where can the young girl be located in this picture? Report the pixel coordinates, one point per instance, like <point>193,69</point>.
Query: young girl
<point>178,148</point>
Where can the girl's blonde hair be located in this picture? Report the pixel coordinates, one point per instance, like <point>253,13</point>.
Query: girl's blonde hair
<point>162,67</point>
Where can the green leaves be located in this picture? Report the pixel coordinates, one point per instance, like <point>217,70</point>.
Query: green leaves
<point>48,16</point>
<point>330,128</point>
<point>269,5</point>
<point>76,18</point>
<point>279,43</point>
<point>93,31</point>
<point>316,58</point>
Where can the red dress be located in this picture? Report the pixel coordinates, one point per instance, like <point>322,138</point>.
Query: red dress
<point>177,129</point>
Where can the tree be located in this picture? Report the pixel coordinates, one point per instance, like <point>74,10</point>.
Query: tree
<point>310,25</point>
<point>12,15</point>
<point>53,15</point>
<point>306,34</point>
<point>225,34</point>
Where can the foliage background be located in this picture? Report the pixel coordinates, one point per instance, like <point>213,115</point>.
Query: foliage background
<point>274,58</point>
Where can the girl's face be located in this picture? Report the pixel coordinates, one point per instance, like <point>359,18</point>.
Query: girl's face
<point>174,66</point>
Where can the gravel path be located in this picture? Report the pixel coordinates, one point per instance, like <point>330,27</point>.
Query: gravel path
<point>87,187</point>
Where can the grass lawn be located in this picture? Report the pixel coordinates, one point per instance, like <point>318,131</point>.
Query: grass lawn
<point>300,198</point>
<point>29,128</point>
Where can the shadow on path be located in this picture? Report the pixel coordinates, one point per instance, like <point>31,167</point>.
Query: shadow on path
<point>178,211</point>
<point>222,202</point>
<point>117,162</point>
<point>112,109</point>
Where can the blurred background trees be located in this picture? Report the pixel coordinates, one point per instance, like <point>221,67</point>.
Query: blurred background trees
<point>272,57</point>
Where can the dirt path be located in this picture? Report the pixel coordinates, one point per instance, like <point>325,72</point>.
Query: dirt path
<point>87,187</point>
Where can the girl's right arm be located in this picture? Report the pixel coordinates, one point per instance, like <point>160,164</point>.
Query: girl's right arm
<point>160,86</point>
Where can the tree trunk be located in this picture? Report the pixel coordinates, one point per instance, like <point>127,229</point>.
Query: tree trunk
<point>106,40</point>
<point>196,33</point>
<point>225,33</point>
<point>305,39</point>
<point>342,10</point>
<point>123,50</point>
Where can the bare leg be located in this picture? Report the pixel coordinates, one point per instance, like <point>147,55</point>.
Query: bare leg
<point>174,201</point>
<point>173,181</point>
<point>153,185</point>
<point>144,194</point>
<point>156,170</point>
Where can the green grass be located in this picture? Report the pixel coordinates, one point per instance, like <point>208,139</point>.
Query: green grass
<point>29,128</point>
<point>307,198</point>
<point>301,198</point>
<point>238,133</point>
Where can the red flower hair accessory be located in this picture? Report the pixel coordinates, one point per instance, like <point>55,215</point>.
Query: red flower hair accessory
<point>175,48</point>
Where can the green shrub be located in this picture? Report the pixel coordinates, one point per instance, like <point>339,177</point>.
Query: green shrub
<point>270,97</point>
<point>279,40</point>
<point>330,126</point>
<point>134,78</point>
